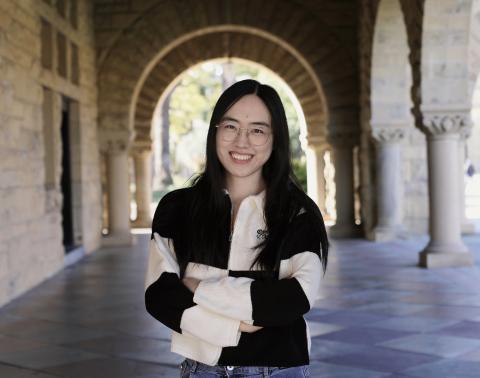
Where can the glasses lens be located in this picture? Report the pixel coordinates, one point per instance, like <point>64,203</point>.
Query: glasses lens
<point>228,132</point>
<point>257,139</point>
<point>256,136</point>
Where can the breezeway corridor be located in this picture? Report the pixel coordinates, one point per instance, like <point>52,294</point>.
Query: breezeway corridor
<point>378,315</point>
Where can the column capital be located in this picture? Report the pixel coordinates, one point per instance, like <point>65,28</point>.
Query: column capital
<point>439,122</point>
<point>388,134</point>
<point>316,142</point>
<point>141,147</point>
<point>344,139</point>
<point>115,140</point>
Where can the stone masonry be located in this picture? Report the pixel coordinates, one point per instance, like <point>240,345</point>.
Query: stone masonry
<point>46,51</point>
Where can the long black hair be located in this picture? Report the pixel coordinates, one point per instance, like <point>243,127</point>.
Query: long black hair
<point>209,212</point>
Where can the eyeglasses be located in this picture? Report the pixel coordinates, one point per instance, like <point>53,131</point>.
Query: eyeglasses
<point>257,135</point>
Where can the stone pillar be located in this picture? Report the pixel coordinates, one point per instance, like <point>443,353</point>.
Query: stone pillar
<point>115,145</point>
<point>143,184</point>
<point>389,182</point>
<point>343,145</point>
<point>446,248</point>
<point>315,151</point>
<point>467,226</point>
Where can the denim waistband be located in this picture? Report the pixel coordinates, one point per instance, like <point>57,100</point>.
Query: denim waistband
<point>196,366</point>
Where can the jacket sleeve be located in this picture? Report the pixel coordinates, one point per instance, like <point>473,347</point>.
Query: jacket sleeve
<point>275,302</point>
<point>169,301</point>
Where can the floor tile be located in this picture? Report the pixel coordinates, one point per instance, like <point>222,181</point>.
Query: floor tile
<point>317,328</point>
<point>53,332</point>
<point>381,359</point>
<point>413,324</point>
<point>137,348</point>
<point>328,370</point>
<point>474,355</point>
<point>445,368</point>
<point>111,367</point>
<point>437,345</point>
<point>462,329</point>
<point>7,371</point>
<point>322,349</point>
<point>451,312</point>
<point>13,344</point>
<point>364,335</point>
<point>41,358</point>
<point>393,308</point>
<point>351,318</point>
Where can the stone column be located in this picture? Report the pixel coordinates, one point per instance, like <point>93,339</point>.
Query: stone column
<point>389,182</point>
<point>343,145</point>
<point>315,151</point>
<point>467,226</point>
<point>446,248</point>
<point>143,184</point>
<point>115,145</point>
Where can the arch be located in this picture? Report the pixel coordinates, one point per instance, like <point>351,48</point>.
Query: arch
<point>286,27</point>
<point>176,59</point>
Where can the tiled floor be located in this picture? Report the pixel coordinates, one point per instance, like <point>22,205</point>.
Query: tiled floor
<point>378,316</point>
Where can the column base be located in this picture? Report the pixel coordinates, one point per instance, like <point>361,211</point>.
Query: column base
<point>141,223</point>
<point>445,256</point>
<point>342,231</point>
<point>118,240</point>
<point>382,234</point>
<point>468,228</point>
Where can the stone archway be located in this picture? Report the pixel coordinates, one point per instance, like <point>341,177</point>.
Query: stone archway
<point>309,52</point>
<point>166,24</point>
<point>248,44</point>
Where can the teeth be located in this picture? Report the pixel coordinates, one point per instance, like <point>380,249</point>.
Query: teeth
<point>241,157</point>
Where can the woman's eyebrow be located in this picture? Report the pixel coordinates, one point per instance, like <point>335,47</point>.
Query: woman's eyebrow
<point>258,123</point>
<point>229,119</point>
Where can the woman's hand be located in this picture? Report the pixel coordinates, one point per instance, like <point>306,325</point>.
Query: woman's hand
<point>191,283</point>
<point>248,328</point>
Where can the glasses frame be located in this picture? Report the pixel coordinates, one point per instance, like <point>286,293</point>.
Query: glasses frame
<point>248,133</point>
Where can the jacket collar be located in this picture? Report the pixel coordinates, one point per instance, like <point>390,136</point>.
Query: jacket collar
<point>258,199</point>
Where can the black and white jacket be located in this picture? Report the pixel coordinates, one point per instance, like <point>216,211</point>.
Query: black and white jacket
<point>205,325</point>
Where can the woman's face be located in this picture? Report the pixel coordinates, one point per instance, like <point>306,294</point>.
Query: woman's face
<point>240,157</point>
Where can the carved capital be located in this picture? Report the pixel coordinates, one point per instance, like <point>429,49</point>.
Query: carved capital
<point>444,122</point>
<point>141,147</point>
<point>115,140</point>
<point>389,134</point>
<point>316,142</point>
<point>465,133</point>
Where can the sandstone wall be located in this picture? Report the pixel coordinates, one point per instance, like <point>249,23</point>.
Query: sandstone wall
<point>46,53</point>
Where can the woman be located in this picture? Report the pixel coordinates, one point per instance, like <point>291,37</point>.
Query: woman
<point>236,259</point>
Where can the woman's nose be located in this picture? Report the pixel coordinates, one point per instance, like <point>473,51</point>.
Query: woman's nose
<point>242,138</point>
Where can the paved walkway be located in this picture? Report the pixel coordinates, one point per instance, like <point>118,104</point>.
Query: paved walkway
<point>378,316</point>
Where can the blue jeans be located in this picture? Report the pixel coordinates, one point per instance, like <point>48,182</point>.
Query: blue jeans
<point>194,369</point>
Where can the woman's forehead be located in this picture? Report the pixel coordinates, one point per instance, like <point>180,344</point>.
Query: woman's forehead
<point>249,108</point>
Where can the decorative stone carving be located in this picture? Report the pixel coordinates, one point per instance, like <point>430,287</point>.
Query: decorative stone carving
<point>465,133</point>
<point>389,134</point>
<point>116,140</point>
<point>316,142</point>
<point>139,150</point>
<point>446,122</point>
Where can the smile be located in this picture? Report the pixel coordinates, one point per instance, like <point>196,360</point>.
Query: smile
<point>241,157</point>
